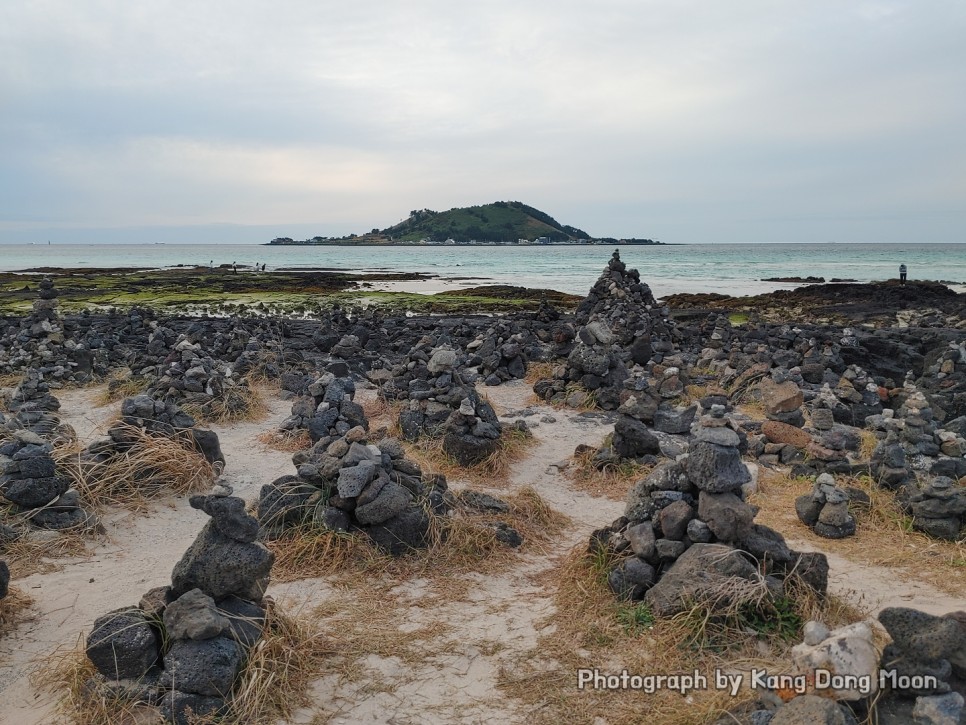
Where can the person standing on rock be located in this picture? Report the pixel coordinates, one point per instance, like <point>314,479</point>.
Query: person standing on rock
<point>902,274</point>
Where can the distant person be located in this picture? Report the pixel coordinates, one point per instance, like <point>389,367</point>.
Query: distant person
<point>211,266</point>
<point>234,268</point>
<point>263,267</point>
<point>902,274</point>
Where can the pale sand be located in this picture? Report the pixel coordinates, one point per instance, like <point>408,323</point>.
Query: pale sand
<point>494,620</point>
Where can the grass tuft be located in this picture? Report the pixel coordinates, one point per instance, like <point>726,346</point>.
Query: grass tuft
<point>121,384</point>
<point>458,542</point>
<point>151,468</point>
<point>286,441</point>
<point>14,609</point>
<point>591,628</point>
<point>237,404</point>
<point>273,683</point>
<point>612,481</point>
<point>493,471</point>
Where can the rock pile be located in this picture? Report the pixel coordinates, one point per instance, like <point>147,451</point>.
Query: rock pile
<point>185,645</point>
<point>499,354</point>
<point>344,483</point>
<point>34,408</point>
<point>938,508</point>
<point>443,405</point>
<point>326,408</point>
<point>158,419</point>
<point>926,654</point>
<point>688,534</point>
<point>192,378</point>
<point>826,509</point>
<point>619,325</point>
<point>30,480</point>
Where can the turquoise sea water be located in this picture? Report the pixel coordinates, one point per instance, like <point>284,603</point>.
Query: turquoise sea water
<point>726,268</point>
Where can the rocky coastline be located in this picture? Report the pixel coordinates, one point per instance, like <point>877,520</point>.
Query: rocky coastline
<point>857,392</point>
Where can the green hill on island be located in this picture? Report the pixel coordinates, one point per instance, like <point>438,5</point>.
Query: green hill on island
<point>502,222</point>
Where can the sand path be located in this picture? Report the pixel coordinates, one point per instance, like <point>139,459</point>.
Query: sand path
<point>464,636</point>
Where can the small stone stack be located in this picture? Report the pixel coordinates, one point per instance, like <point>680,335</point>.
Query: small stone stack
<point>938,508</point>
<point>190,377</point>
<point>29,479</point>
<point>209,618</point>
<point>499,353</point>
<point>888,465</point>
<point>44,328</point>
<point>826,509</point>
<point>345,483</point>
<point>35,409</point>
<point>158,419</point>
<point>685,523</point>
<point>327,408</point>
<point>443,405</point>
<point>926,646</point>
<point>620,324</point>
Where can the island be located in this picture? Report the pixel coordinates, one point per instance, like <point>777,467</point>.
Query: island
<point>499,223</point>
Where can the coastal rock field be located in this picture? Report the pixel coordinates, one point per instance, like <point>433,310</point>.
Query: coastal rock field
<point>609,510</point>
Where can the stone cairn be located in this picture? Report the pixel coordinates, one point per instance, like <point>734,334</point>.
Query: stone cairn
<point>926,654</point>
<point>442,405</point>
<point>326,408</point>
<point>499,354</point>
<point>157,419</point>
<point>938,508</point>
<point>34,408</point>
<point>824,447</point>
<point>42,331</point>
<point>620,324</point>
<point>686,531</point>
<point>345,483</point>
<point>184,646</point>
<point>189,377</point>
<point>826,509</point>
<point>29,477</point>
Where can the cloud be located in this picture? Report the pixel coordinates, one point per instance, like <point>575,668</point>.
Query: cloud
<point>680,121</point>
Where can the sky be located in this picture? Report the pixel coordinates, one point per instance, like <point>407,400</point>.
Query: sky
<point>688,122</point>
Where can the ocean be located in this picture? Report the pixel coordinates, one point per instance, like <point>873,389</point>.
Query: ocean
<point>726,268</point>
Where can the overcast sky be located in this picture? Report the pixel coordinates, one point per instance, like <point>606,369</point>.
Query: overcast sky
<point>688,122</point>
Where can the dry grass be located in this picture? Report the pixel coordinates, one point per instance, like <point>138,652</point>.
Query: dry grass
<point>68,674</point>
<point>590,628</point>
<point>120,384</point>
<point>539,371</point>
<point>884,534</point>
<point>273,683</point>
<point>693,393</point>
<point>14,609</point>
<point>753,408</point>
<point>493,471</point>
<point>9,380</point>
<point>613,481</point>
<point>34,554</point>
<point>463,541</point>
<point>237,404</point>
<point>379,410</point>
<point>286,441</point>
<point>869,442</point>
<point>151,468</point>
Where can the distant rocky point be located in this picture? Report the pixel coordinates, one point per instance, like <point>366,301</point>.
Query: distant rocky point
<point>502,222</point>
